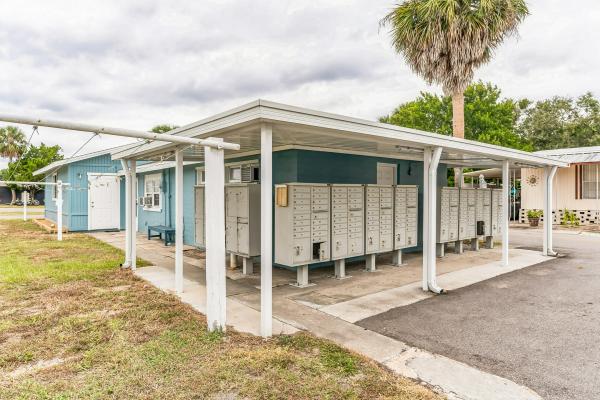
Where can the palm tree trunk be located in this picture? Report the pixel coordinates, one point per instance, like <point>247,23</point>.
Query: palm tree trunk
<point>458,115</point>
<point>458,127</point>
<point>13,199</point>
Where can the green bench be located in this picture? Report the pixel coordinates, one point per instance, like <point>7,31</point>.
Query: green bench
<point>167,232</point>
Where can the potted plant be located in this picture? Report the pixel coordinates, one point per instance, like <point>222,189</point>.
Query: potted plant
<point>534,217</point>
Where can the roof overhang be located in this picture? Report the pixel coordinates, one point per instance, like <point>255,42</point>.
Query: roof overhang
<point>52,167</point>
<point>295,127</point>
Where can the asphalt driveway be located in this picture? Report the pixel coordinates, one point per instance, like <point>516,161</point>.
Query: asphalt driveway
<point>539,327</point>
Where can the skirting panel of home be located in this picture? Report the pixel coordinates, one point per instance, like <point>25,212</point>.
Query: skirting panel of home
<point>586,217</point>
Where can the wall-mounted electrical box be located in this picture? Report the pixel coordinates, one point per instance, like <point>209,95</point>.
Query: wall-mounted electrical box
<point>448,199</point>
<point>379,221</point>
<point>484,210</point>
<point>406,216</point>
<point>347,221</point>
<point>242,219</point>
<point>496,209</point>
<point>302,227</point>
<point>467,224</point>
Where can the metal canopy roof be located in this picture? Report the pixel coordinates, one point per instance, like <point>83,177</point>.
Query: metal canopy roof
<point>295,127</point>
<point>574,155</point>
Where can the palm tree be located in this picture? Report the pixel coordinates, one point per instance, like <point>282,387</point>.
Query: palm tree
<point>12,146</point>
<point>445,41</point>
<point>12,142</point>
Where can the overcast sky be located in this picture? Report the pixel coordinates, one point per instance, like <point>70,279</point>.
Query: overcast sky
<point>135,64</point>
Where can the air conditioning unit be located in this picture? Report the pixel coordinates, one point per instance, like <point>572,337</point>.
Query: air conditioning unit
<point>250,173</point>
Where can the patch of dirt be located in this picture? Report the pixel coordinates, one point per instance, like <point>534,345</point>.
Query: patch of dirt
<point>195,253</point>
<point>33,368</point>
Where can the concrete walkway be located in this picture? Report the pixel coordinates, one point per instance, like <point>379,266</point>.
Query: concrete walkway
<point>330,308</point>
<point>239,316</point>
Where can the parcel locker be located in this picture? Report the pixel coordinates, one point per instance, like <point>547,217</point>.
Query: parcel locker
<point>302,224</point>
<point>242,219</point>
<point>447,214</point>
<point>200,227</point>
<point>379,218</point>
<point>347,221</point>
<point>496,212</point>
<point>406,216</point>
<point>484,211</point>
<point>467,227</point>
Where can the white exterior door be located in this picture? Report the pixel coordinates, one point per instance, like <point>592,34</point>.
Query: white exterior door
<point>386,174</point>
<point>104,208</point>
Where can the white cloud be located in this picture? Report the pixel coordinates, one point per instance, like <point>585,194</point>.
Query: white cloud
<point>147,62</point>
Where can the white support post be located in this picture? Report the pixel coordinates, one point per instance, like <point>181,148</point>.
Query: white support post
<point>125,165</point>
<point>505,210</point>
<point>436,154</point>
<point>179,221</point>
<point>549,173</point>
<point>133,213</point>
<point>59,210</point>
<point>426,206</point>
<point>24,198</point>
<point>214,161</point>
<point>266,230</point>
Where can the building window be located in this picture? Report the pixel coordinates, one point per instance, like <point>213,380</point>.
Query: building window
<point>152,194</point>
<point>235,174</point>
<point>200,176</point>
<point>590,182</point>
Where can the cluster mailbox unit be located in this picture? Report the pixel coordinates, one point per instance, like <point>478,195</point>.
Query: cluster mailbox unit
<point>448,217</point>
<point>468,214</point>
<point>302,226</point>
<point>379,222</point>
<point>318,223</point>
<point>496,216</point>
<point>200,223</point>
<point>406,218</point>
<point>467,224</point>
<point>348,225</point>
<point>242,223</point>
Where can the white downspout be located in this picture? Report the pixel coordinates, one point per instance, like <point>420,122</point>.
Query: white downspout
<point>550,172</point>
<point>505,209</point>
<point>432,211</point>
<point>425,251</point>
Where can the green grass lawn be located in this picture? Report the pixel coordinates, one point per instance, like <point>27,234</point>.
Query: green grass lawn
<point>73,325</point>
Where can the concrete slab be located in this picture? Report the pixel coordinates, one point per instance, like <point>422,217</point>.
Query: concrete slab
<point>366,306</point>
<point>239,316</point>
<point>455,379</point>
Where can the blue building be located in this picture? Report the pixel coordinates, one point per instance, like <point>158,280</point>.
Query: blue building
<point>157,180</point>
<point>93,194</point>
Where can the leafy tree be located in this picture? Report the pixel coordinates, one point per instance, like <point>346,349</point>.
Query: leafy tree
<point>445,41</point>
<point>35,158</point>
<point>163,128</point>
<point>562,122</point>
<point>12,142</point>
<point>489,117</point>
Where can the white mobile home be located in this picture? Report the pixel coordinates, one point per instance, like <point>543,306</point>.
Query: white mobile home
<point>576,189</point>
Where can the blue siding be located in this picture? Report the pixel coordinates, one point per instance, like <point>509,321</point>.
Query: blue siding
<point>75,206</point>
<point>166,216</point>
